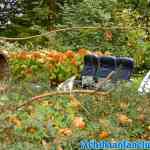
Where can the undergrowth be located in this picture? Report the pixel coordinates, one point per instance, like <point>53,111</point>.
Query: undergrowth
<point>40,124</point>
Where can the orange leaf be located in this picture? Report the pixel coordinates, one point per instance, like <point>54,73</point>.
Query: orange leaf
<point>65,131</point>
<point>82,52</point>
<point>14,120</point>
<point>141,118</point>
<point>31,130</point>
<point>108,35</point>
<point>28,71</point>
<point>104,135</point>
<point>22,55</point>
<point>78,122</point>
<point>74,62</point>
<point>36,55</point>
<point>123,119</point>
<point>69,53</point>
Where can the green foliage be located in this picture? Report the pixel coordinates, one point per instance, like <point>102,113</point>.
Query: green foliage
<point>128,21</point>
<point>42,121</point>
<point>125,32</point>
<point>85,13</point>
<point>52,67</point>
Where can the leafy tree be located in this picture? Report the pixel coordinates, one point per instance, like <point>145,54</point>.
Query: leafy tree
<point>36,16</point>
<point>92,13</point>
<point>8,9</point>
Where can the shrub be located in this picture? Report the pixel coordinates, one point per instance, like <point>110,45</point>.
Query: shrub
<point>50,66</point>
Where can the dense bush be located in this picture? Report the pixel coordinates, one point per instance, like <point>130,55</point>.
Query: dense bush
<point>49,66</point>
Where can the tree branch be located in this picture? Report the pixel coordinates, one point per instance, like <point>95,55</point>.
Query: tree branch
<point>65,29</point>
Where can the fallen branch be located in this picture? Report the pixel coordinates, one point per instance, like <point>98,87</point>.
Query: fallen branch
<point>59,93</point>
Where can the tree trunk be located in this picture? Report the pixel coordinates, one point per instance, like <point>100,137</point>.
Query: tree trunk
<point>52,14</point>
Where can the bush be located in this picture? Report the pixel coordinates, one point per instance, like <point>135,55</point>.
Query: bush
<point>47,66</point>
